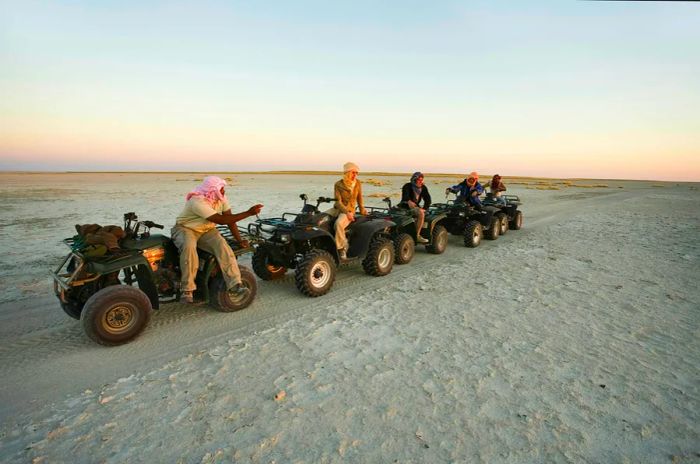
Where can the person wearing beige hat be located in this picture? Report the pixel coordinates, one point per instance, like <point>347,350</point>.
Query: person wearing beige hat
<point>348,196</point>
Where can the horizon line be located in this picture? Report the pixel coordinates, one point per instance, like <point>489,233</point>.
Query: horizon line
<point>323,173</point>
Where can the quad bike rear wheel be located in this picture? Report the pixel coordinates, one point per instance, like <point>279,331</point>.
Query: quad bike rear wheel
<point>315,274</point>
<point>222,300</point>
<point>438,242</point>
<point>116,314</point>
<point>517,222</point>
<point>504,222</point>
<point>473,233</point>
<point>264,268</point>
<point>380,257</point>
<point>494,228</point>
<point>404,249</point>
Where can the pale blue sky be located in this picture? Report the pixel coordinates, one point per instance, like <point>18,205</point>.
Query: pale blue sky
<point>558,88</point>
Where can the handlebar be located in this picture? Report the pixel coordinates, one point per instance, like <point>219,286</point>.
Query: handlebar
<point>152,225</point>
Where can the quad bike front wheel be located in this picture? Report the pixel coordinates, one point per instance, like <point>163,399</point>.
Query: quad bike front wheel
<point>380,257</point>
<point>315,274</point>
<point>473,233</point>
<point>438,243</point>
<point>404,249</point>
<point>222,300</point>
<point>264,268</point>
<point>116,314</point>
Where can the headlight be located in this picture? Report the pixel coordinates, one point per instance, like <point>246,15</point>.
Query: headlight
<point>462,214</point>
<point>285,238</point>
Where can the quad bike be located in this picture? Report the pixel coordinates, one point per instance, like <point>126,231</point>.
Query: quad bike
<point>405,233</point>
<point>471,222</point>
<point>113,294</point>
<point>509,215</point>
<point>305,242</point>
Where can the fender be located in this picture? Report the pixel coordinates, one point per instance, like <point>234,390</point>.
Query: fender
<point>434,219</point>
<point>114,265</point>
<point>487,213</point>
<point>363,232</point>
<point>209,268</point>
<point>308,233</point>
<point>144,276</point>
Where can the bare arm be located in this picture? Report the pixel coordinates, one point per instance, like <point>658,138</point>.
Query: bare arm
<point>229,219</point>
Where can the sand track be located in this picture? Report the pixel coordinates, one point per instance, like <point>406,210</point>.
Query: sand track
<point>572,340</point>
<point>57,348</point>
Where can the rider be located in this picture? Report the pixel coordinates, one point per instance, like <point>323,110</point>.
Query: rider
<point>411,195</point>
<point>497,186</point>
<point>207,206</point>
<point>348,195</point>
<point>468,190</point>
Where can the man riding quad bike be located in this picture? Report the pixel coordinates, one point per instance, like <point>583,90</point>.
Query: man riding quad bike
<point>306,243</point>
<point>472,223</point>
<point>113,293</point>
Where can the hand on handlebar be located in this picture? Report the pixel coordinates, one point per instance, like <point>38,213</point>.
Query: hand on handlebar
<point>350,215</point>
<point>244,243</point>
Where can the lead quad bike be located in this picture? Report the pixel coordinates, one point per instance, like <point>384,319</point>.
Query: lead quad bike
<point>471,222</point>
<point>508,213</point>
<point>405,233</point>
<point>305,242</point>
<point>113,295</point>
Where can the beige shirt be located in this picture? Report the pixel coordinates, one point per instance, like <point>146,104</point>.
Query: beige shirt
<point>196,212</point>
<point>346,199</point>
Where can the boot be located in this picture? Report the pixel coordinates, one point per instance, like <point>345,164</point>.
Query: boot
<point>186,297</point>
<point>238,290</point>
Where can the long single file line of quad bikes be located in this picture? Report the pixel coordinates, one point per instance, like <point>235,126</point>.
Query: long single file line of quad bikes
<point>272,302</point>
<point>162,343</point>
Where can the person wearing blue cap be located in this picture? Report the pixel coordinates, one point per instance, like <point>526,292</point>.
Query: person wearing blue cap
<point>412,193</point>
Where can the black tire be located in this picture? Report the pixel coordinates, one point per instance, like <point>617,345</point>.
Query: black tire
<point>438,242</point>
<point>494,228</point>
<point>223,301</point>
<point>504,222</point>
<point>263,268</point>
<point>404,248</point>
<point>116,315</point>
<point>473,233</point>
<point>517,222</point>
<point>380,257</point>
<point>72,309</point>
<point>315,274</point>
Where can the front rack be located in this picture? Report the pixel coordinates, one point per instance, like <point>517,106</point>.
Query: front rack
<point>252,239</point>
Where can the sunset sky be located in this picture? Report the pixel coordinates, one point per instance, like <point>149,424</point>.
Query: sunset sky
<point>539,88</point>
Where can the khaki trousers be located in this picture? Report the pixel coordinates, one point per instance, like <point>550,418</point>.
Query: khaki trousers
<point>341,223</point>
<point>188,240</point>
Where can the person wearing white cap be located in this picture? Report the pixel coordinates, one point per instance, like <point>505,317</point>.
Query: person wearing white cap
<point>348,196</point>
<point>195,227</point>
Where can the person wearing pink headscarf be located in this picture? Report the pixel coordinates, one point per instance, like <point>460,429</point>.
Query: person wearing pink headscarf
<point>195,227</point>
